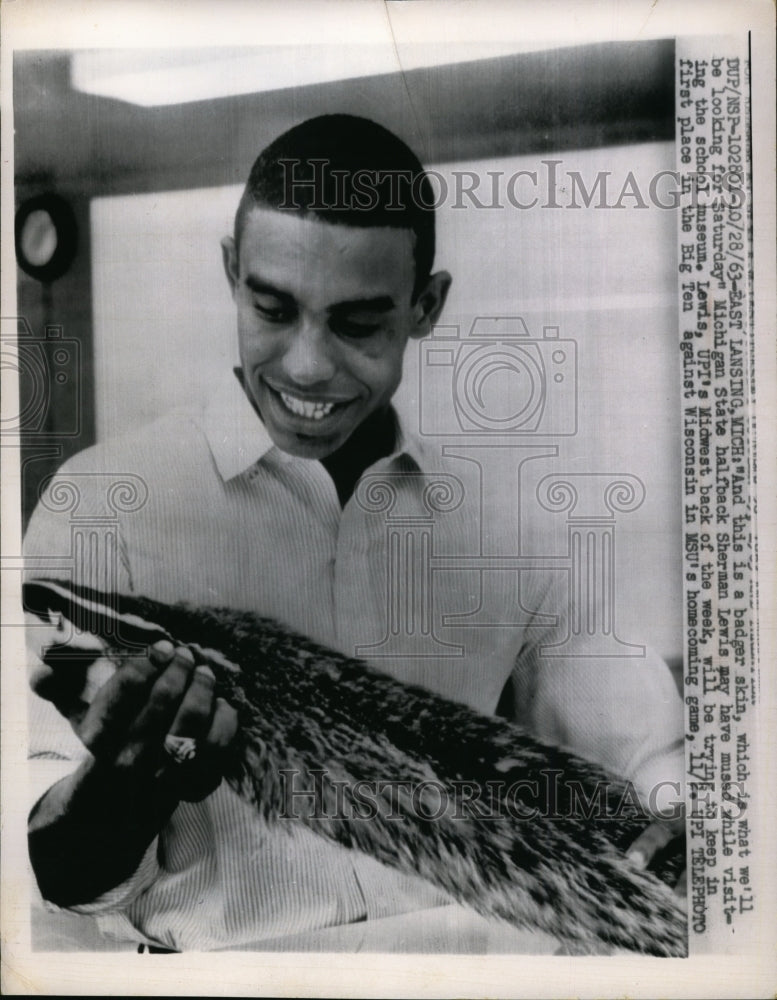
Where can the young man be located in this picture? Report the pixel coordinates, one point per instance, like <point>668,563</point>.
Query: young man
<point>253,501</point>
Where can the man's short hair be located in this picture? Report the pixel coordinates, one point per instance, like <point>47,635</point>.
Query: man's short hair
<point>348,171</point>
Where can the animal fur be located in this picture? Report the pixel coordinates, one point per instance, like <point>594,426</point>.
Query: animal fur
<point>326,718</point>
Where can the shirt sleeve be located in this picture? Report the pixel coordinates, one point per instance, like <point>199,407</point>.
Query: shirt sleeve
<point>75,532</point>
<point>622,712</point>
<point>73,536</point>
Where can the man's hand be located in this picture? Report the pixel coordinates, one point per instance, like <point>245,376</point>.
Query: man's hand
<point>90,831</point>
<point>146,699</point>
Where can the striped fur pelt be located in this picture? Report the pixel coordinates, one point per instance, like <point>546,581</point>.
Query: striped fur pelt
<point>458,807</point>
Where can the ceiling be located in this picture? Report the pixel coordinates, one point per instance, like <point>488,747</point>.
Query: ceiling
<point>531,102</point>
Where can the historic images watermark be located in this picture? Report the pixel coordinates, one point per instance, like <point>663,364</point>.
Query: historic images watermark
<point>541,398</point>
<point>552,185</point>
<point>51,408</point>
<point>48,371</point>
<point>496,397</point>
<point>319,794</point>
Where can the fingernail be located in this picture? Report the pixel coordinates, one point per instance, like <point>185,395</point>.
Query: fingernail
<point>637,858</point>
<point>161,651</point>
<point>204,671</point>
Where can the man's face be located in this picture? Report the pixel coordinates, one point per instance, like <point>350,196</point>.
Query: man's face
<point>324,314</point>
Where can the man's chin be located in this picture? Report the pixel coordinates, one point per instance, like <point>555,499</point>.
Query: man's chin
<point>307,449</point>
<point>304,446</point>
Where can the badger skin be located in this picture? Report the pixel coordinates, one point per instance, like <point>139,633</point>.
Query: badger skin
<point>322,718</point>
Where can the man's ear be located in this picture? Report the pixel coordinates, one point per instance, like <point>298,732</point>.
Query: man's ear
<point>429,304</point>
<point>231,265</point>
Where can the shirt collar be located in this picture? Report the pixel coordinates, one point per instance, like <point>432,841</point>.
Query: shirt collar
<point>238,439</point>
<point>236,436</point>
<point>410,445</point>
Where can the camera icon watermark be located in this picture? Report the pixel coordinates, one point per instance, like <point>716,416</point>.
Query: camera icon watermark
<point>48,370</point>
<point>498,380</point>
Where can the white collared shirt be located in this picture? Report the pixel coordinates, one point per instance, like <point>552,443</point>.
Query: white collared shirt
<point>213,513</point>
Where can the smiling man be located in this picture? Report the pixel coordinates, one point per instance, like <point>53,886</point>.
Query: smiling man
<point>324,316</point>
<point>248,502</point>
<point>330,269</point>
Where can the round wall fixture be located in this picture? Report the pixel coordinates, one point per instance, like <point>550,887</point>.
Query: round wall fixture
<point>46,236</point>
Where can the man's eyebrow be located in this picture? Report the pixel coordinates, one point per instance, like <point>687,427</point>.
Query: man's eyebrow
<point>379,304</point>
<point>261,287</point>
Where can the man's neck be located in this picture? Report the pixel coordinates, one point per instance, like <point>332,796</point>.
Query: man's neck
<point>374,439</point>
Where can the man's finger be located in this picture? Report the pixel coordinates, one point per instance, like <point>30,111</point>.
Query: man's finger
<point>201,777</point>
<point>59,676</point>
<point>196,710</point>
<point>649,843</point>
<point>116,705</point>
<point>161,652</point>
<point>224,727</point>
<point>164,700</point>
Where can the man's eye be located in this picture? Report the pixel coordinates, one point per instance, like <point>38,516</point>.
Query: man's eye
<point>351,328</point>
<point>272,311</point>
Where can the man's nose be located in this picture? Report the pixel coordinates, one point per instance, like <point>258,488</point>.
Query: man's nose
<point>308,359</point>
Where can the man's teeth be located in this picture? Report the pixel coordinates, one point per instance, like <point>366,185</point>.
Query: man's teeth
<point>305,408</point>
